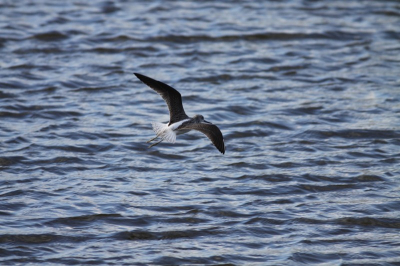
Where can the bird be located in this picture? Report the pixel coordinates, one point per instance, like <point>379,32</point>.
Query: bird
<point>179,122</point>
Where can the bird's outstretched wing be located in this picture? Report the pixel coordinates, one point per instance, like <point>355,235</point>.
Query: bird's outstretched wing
<point>171,96</point>
<point>212,132</point>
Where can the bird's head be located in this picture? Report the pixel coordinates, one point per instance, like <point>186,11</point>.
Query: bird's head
<point>200,119</point>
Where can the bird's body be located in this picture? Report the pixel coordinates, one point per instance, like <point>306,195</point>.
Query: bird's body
<point>179,122</point>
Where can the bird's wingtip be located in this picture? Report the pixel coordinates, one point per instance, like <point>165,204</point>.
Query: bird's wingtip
<point>221,149</point>
<point>141,77</point>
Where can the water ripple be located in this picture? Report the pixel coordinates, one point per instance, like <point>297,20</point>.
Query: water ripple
<point>305,93</point>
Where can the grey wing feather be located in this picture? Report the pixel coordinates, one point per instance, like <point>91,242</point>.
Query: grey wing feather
<point>171,96</point>
<point>212,132</point>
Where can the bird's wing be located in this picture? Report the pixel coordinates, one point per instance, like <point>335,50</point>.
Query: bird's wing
<point>212,132</point>
<point>171,96</point>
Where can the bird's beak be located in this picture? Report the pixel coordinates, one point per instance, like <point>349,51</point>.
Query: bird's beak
<point>205,121</point>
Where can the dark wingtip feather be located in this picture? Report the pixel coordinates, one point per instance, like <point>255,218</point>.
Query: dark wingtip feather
<point>222,149</point>
<point>139,76</point>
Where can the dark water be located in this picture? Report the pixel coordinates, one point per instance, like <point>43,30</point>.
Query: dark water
<point>306,93</point>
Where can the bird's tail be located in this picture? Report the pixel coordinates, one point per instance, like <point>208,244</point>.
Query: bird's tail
<point>164,132</point>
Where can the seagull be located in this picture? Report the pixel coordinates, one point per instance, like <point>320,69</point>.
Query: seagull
<point>179,123</point>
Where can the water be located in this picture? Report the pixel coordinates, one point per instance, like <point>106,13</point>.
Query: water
<point>306,94</point>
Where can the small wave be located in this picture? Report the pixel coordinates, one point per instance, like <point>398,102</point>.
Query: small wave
<point>311,110</point>
<point>5,95</point>
<point>352,134</point>
<point>39,238</point>
<point>83,220</point>
<point>50,36</point>
<point>272,36</point>
<point>140,235</point>
<point>13,85</point>
<point>319,188</point>
<point>12,160</point>
<point>95,89</point>
<point>45,50</point>
<point>369,222</point>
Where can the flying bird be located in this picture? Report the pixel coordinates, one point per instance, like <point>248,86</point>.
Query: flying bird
<point>179,123</point>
